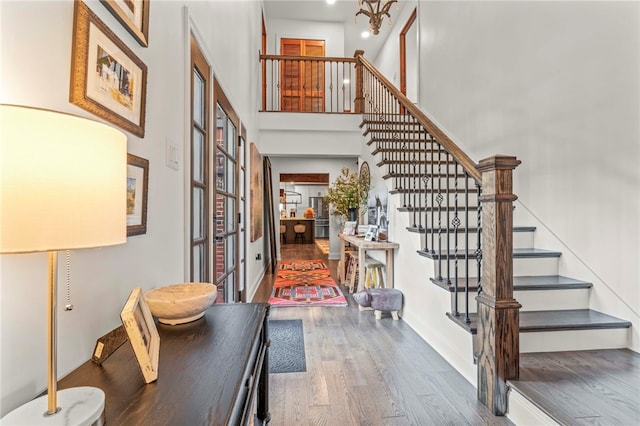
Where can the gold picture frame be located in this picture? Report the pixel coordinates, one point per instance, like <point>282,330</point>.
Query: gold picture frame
<point>107,78</point>
<point>143,335</point>
<point>137,194</point>
<point>133,15</point>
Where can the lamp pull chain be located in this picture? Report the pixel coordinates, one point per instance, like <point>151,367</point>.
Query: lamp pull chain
<point>68,306</point>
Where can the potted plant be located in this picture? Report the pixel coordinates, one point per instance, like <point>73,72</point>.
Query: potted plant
<point>347,194</point>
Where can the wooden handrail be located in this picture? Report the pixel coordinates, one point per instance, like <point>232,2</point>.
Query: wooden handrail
<point>306,58</point>
<point>463,159</point>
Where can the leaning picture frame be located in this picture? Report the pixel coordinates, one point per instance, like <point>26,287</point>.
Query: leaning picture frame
<point>143,335</point>
<point>107,78</point>
<point>137,194</point>
<point>133,15</point>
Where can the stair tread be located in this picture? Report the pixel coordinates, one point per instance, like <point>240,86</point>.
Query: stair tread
<point>522,283</point>
<point>569,319</point>
<point>517,253</point>
<point>571,384</point>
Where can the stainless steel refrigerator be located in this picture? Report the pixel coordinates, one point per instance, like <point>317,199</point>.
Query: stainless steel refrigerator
<point>321,209</point>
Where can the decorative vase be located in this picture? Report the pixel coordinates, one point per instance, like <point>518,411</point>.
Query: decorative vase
<point>353,214</point>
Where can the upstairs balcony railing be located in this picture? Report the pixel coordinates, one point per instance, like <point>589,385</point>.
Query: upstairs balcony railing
<point>308,84</point>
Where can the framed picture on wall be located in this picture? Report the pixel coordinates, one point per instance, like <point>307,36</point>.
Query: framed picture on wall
<point>107,79</point>
<point>137,194</point>
<point>133,15</point>
<point>256,192</point>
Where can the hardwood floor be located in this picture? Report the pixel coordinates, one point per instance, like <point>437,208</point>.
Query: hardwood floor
<point>365,372</point>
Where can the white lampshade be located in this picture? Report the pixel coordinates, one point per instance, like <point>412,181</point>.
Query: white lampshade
<point>62,182</point>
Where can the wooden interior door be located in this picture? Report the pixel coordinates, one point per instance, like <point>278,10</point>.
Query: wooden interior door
<point>199,268</point>
<point>302,82</point>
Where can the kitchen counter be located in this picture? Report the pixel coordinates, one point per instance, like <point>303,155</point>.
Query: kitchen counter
<point>290,235</point>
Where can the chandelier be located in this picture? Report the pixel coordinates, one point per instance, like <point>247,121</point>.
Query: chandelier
<point>377,10</point>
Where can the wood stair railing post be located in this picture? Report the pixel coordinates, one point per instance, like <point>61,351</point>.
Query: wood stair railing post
<point>498,312</point>
<point>359,99</point>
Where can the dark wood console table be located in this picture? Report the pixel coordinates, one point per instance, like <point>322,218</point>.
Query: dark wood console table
<point>213,371</point>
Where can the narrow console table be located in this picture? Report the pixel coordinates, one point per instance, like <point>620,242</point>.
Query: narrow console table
<point>364,246</point>
<point>213,371</point>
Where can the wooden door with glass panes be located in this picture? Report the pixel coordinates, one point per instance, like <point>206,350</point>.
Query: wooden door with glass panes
<point>227,216</point>
<point>302,82</point>
<point>200,259</point>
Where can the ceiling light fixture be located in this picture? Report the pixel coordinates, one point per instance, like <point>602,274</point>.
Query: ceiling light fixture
<point>331,1</point>
<point>376,13</point>
<point>365,34</point>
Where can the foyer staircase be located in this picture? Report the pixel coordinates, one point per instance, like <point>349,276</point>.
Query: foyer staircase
<point>439,187</point>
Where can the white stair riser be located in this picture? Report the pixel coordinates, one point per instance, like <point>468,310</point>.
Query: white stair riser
<point>520,240</point>
<point>574,340</point>
<point>521,267</point>
<point>553,300</point>
<point>535,266</point>
<point>521,411</point>
<point>535,300</point>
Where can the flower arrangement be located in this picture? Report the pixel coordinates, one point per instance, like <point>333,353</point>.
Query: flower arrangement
<point>348,191</point>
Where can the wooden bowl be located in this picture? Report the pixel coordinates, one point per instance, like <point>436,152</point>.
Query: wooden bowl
<point>180,303</point>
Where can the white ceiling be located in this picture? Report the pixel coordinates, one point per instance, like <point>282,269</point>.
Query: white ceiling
<point>342,11</point>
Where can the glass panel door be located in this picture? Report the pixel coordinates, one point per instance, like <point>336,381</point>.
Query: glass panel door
<point>226,214</point>
<point>199,235</point>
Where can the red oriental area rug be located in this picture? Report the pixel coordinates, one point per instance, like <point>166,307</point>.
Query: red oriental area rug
<point>305,283</point>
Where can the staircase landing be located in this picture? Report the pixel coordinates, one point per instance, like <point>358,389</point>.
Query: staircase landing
<point>582,387</point>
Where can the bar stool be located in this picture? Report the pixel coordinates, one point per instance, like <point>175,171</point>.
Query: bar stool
<point>299,229</point>
<point>351,278</point>
<point>283,231</point>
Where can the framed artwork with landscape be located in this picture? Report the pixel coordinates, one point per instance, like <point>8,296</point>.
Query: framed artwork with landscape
<point>133,15</point>
<point>137,194</point>
<point>107,78</point>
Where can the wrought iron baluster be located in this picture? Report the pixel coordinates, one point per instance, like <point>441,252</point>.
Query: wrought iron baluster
<point>467,268</point>
<point>439,200</point>
<point>447,212</point>
<point>456,224</point>
<point>479,243</point>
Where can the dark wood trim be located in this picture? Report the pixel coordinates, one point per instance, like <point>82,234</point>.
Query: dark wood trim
<point>498,338</point>
<point>307,58</point>
<point>264,65</point>
<point>403,51</point>
<point>199,63</point>
<point>270,212</point>
<point>358,102</point>
<point>305,177</point>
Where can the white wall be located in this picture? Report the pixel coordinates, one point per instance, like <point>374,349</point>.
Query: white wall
<point>331,32</point>
<point>35,55</point>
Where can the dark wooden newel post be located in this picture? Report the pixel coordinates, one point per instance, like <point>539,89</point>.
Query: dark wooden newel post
<point>359,99</point>
<point>498,311</point>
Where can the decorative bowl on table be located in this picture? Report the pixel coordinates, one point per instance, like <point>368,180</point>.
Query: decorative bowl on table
<point>180,303</point>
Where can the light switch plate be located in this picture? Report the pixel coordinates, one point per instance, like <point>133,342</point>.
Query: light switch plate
<point>172,155</point>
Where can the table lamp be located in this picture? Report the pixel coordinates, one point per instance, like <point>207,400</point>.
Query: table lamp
<point>62,186</point>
